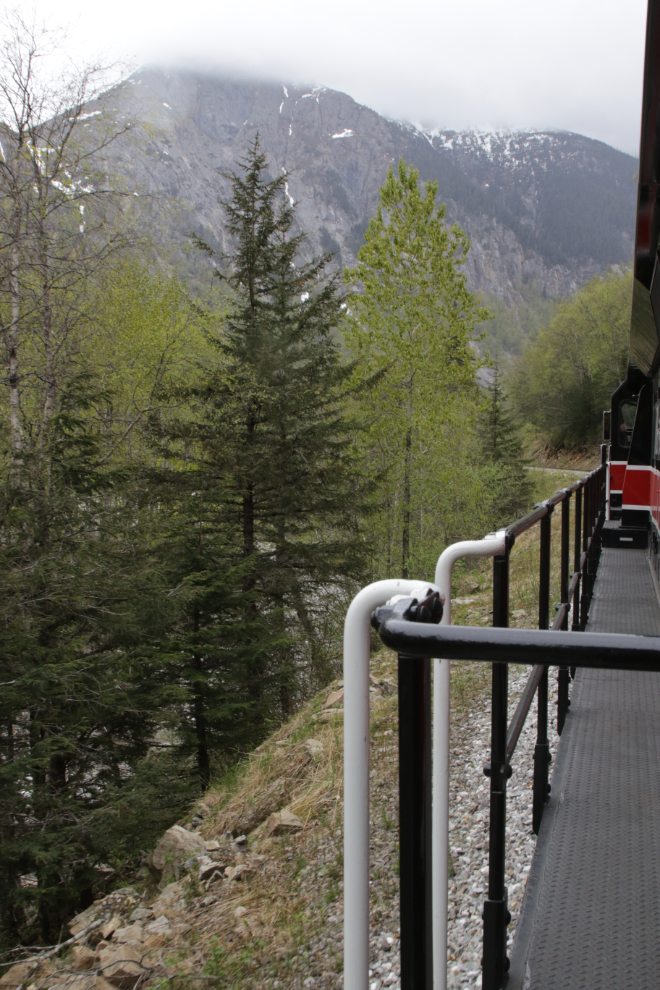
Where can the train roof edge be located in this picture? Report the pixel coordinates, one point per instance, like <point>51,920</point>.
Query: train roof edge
<point>645,315</point>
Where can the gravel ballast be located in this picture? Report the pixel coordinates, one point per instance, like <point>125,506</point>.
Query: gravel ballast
<point>468,830</point>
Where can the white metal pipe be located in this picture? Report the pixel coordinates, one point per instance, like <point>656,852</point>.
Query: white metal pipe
<point>607,486</point>
<point>493,544</point>
<point>356,771</point>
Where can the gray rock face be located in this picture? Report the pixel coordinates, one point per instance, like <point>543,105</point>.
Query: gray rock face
<point>554,206</point>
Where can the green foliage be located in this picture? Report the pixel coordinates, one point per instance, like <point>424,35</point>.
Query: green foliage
<point>189,496</point>
<point>508,488</point>
<point>75,712</point>
<point>83,698</point>
<point>144,332</point>
<point>564,380</point>
<point>214,648</point>
<point>180,503</point>
<point>511,328</point>
<point>411,325</point>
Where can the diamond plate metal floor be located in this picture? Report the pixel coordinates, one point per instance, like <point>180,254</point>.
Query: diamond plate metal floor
<point>591,915</point>
<point>624,598</point>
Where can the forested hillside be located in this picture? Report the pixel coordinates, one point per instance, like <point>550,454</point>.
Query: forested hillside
<point>563,381</point>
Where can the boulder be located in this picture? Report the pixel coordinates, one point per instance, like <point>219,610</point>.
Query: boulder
<point>83,958</point>
<point>122,965</point>
<point>314,747</point>
<point>175,847</point>
<point>284,822</point>
<point>244,814</point>
<point>328,716</point>
<point>171,902</point>
<point>161,926</point>
<point>239,872</point>
<point>132,933</point>
<point>21,973</point>
<point>152,942</point>
<point>111,926</point>
<point>141,914</point>
<point>190,864</point>
<point>333,698</point>
<point>208,867</point>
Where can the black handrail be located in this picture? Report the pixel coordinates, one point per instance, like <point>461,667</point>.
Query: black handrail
<point>541,647</point>
<point>550,645</point>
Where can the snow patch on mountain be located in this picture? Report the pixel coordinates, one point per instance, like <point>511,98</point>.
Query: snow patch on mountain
<point>508,149</point>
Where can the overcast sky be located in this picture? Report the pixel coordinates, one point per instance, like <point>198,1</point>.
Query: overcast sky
<point>566,64</point>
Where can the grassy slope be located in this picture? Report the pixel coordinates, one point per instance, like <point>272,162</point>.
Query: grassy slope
<point>289,900</point>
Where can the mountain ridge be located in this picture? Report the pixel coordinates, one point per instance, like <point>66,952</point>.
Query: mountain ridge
<point>549,207</point>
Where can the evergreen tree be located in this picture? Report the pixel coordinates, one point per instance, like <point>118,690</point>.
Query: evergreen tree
<point>508,487</point>
<point>267,505</point>
<point>75,713</point>
<point>215,636</point>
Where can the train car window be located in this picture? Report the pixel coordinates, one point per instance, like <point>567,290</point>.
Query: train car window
<point>627,412</point>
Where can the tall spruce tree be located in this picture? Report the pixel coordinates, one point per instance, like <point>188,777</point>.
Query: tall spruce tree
<point>508,487</point>
<point>269,449</point>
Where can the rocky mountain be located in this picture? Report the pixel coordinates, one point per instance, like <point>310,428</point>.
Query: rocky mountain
<point>549,208</point>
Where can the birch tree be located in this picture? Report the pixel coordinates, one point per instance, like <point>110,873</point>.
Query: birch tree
<point>57,212</point>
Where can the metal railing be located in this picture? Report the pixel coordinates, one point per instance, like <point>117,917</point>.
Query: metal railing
<point>403,628</point>
<point>589,518</point>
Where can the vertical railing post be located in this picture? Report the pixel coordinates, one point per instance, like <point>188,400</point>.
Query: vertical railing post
<point>576,559</point>
<point>602,503</point>
<point>562,677</point>
<point>496,913</point>
<point>544,570</point>
<point>586,576</point>
<point>592,540</point>
<point>542,748</point>
<point>415,823</point>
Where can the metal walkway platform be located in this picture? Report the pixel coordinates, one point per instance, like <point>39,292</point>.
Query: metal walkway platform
<point>591,915</point>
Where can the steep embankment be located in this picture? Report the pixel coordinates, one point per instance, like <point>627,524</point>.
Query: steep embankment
<point>248,893</point>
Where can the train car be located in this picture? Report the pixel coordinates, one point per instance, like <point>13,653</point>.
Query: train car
<point>631,426</point>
